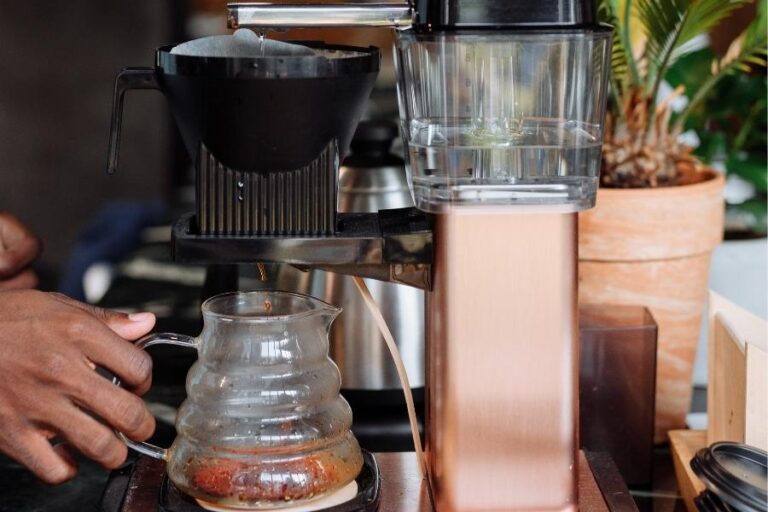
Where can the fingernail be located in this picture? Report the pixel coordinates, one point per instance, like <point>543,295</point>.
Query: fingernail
<point>140,317</point>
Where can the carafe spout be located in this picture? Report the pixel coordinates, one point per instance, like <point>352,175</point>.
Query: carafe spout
<point>329,312</point>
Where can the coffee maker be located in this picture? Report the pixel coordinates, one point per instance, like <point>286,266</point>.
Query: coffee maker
<point>501,110</point>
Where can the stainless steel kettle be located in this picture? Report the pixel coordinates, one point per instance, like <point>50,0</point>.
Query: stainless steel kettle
<point>373,179</point>
<point>370,179</point>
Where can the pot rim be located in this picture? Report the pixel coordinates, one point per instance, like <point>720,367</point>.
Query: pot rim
<point>714,181</point>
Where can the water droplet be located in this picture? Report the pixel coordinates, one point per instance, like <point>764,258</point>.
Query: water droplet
<point>240,197</point>
<point>261,42</point>
<point>240,184</point>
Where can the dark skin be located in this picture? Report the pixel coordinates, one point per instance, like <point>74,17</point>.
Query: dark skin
<point>50,346</point>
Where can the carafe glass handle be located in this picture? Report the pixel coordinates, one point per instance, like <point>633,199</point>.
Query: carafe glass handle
<point>127,79</point>
<point>145,342</point>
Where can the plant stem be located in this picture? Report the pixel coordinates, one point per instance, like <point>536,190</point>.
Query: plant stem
<point>746,126</point>
<point>708,84</point>
<point>700,95</point>
<point>661,71</point>
<point>615,101</point>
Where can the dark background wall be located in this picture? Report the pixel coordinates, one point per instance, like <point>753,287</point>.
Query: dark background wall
<point>58,61</point>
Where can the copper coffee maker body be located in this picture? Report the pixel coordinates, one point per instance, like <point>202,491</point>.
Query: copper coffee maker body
<point>501,109</point>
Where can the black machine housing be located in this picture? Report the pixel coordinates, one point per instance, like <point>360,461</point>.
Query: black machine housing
<point>266,135</point>
<point>499,14</point>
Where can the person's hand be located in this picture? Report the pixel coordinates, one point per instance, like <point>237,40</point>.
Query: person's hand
<point>19,247</point>
<point>49,348</point>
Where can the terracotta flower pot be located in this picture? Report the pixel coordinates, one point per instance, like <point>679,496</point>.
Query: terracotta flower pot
<point>652,247</point>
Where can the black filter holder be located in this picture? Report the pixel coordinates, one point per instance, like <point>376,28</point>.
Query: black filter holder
<point>261,114</point>
<point>266,134</point>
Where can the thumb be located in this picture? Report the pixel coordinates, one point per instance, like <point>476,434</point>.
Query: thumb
<point>132,326</point>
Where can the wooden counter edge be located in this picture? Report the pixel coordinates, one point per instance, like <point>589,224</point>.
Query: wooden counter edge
<point>685,444</point>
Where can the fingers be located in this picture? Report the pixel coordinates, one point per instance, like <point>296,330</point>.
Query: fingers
<point>122,410</point>
<point>18,246</point>
<point>91,438</point>
<point>66,452</point>
<point>32,450</point>
<point>18,257</point>
<point>133,326</point>
<point>127,326</point>
<point>105,348</point>
<point>25,280</point>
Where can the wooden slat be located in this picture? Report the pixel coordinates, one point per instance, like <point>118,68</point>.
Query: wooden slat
<point>756,421</point>
<point>726,398</point>
<point>685,444</point>
<point>737,401</point>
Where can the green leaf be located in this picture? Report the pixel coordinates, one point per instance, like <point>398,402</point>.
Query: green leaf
<point>622,61</point>
<point>756,34</point>
<point>752,48</point>
<point>689,69</point>
<point>751,168</point>
<point>670,24</point>
<point>712,145</point>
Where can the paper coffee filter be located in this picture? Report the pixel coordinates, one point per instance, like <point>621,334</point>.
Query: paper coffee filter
<point>244,43</point>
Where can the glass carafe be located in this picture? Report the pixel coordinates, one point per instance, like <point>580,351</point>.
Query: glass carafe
<point>263,425</point>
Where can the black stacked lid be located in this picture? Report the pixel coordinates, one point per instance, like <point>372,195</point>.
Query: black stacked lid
<point>735,477</point>
<point>479,14</point>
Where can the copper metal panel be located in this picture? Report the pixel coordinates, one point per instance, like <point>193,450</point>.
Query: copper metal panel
<point>404,491</point>
<point>502,362</point>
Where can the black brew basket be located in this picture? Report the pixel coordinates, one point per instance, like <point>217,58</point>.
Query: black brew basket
<point>261,114</point>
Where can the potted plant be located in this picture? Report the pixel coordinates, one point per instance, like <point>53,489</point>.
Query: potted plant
<point>659,211</point>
